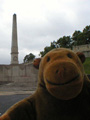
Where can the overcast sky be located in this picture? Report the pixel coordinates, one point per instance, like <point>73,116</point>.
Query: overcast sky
<point>39,22</point>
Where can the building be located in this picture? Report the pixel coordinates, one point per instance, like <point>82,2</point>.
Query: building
<point>83,48</point>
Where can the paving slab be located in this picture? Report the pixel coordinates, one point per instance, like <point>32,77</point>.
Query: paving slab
<point>16,92</point>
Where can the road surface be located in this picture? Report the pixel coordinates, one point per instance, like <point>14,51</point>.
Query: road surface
<point>8,100</point>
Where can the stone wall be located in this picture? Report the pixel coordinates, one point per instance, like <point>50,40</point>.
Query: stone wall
<point>18,73</point>
<point>83,48</point>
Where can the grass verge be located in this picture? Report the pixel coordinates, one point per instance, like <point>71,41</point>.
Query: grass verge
<point>87,66</point>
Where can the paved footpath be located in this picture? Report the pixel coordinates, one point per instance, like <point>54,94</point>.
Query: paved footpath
<point>7,99</point>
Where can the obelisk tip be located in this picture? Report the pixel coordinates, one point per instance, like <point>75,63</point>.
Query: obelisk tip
<point>14,14</point>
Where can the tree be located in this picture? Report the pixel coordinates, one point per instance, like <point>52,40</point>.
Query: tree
<point>65,42</point>
<point>54,45</point>
<point>29,57</point>
<point>86,31</point>
<point>81,38</point>
<point>75,37</point>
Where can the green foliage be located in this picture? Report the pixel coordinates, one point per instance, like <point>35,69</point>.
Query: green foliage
<point>87,66</point>
<point>65,42</point>
<point>86,29</point>
<point>75,34</point>
<point>29,57</point>
<point>81,38</point>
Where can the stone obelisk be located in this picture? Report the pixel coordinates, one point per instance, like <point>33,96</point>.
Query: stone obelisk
<point>14,46</point>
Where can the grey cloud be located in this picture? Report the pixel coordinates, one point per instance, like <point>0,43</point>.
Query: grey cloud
<point>36,35</point>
